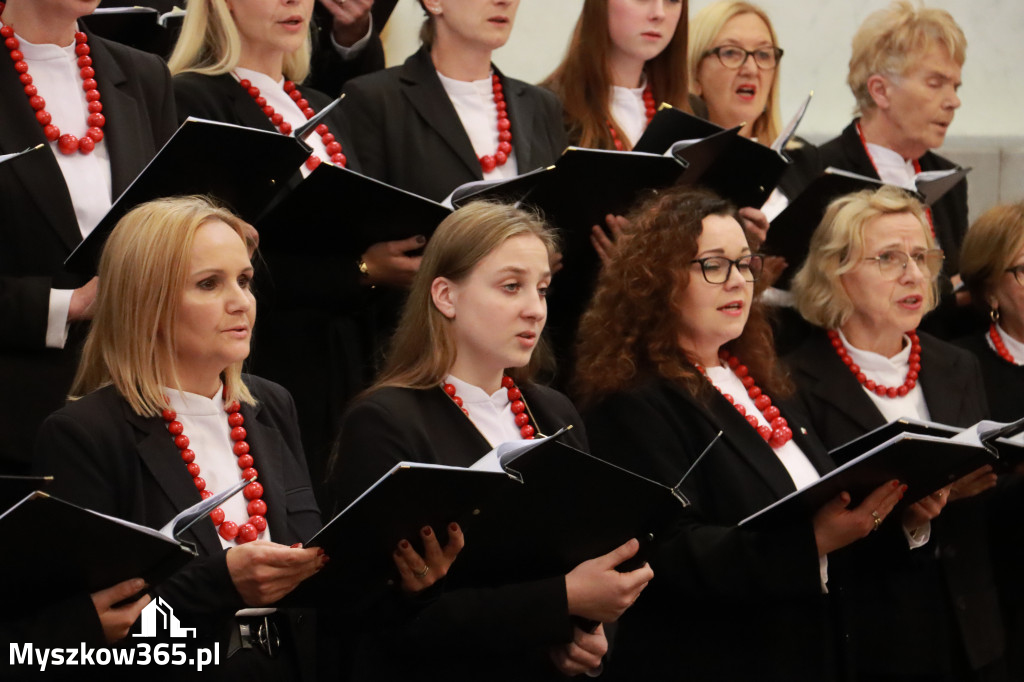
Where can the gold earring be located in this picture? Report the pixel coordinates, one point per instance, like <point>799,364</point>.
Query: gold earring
<point>993,314</point>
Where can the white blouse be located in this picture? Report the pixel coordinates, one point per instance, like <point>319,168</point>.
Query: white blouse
<point>491,414</point>
<point>629,111</point>
<point>890,372</point>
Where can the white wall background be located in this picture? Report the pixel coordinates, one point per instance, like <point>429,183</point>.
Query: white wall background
<point>816,36</point>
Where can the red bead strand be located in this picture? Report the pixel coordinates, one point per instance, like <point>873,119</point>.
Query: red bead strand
<point>256,508</point>
<point>67,143</point>
<point>997,342</point>
<point>882,391</point>
<point>777,432</point>
<point>500,157</point>
<point>650,108</point>
<point>331,143</point>
<point>518,405</point>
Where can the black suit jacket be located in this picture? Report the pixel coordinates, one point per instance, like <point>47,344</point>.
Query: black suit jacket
<point>408,133</point>
<point>312,337</point>
<point>949,213</point>
<point>105,457</point>
<point>39,229</point>
<point>498,632</point>
<point>328,70</point>
<point>943,592</point>
<point>726,603</point>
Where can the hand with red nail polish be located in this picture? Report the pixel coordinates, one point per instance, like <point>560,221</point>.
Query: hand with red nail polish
<point>419,572</point>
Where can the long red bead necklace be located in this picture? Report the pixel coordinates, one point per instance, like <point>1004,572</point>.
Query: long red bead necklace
<point>257,508</point>
<point>67,143</point>
<point>330,141</point>
<point>997,342</point>
<point>883,391</point>
<point>650,108</point>
<point>777,432</point>
<point>518,405</point>
<point>500,157</point>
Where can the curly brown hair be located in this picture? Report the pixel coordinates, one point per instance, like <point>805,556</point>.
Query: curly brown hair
<point>630,332</point>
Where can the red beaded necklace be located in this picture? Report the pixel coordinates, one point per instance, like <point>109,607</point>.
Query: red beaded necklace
<point>878,389</point>
<point>489,163</point>
<point>649,108</point>
<point>777,432</point>
<point>67,143</point>
<point>518,405</point>
<point>330,142</point>
<point>257,508</point>
<point>997,342</point>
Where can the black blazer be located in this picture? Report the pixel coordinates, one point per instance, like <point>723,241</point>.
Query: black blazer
<point>846,152</point>
<point>39,229</point>
<point>942,592</point>
<point>726,603</point>
<point>328,71</point>
<point>105,457</point>
<point>408,133</point>
<point>312,337</point>
<point>499,632</point>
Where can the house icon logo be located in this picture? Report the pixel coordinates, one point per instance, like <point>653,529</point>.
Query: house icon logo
<point>158,618</point>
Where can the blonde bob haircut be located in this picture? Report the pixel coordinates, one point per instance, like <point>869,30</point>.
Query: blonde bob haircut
<point>990,247</point>
<point>210,44</point>
<point>423,348</point>
<point>143,272</point>
<point>891,39</point>
<point>704,28</point>
<point>838,246</point>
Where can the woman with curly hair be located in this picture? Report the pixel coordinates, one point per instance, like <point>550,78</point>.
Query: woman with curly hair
<point>674,350</point>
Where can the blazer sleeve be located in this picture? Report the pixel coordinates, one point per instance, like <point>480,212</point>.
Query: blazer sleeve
<point>699,558</point>
<point>24,310</point>
<point>86,460</point>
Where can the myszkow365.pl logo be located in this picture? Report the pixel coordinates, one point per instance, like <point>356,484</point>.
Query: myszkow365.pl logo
<point>156,620</point>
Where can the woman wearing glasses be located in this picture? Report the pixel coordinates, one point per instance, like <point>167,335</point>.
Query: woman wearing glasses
<point>674,350</point>
<point>869,279</point>
<point>734,69</point>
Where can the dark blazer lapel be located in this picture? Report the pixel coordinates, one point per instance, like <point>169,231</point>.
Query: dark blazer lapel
<point>943,384</point>
<point>38,172</point>
<point>266,445</point>
<point>127,144</point>
<point>835,385</point>
<point>855,152</point>
<point>244,106</point>
<point>161,457</point>
<point>742,439</point>
<point>423,89</point>
<point>520,115</point>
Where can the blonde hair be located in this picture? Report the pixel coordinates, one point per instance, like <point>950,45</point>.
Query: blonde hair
<point>423,347</point>
<point>890,39</point>
<point>837,247</point>
<point>210,44</point>
<point>704,28</point>
<point>990,247</point>
<point>142,275</point>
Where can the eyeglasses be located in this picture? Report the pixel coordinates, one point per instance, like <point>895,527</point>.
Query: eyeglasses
<point>717,269</point>
<point>733,56</point>
<point>1018,273</point>
<point>892,264</point>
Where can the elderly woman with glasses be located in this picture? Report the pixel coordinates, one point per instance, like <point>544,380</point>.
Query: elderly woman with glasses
<point>675,349</point>
<point>870,278</point>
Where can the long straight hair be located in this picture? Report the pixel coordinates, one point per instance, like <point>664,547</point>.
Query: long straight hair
<point>583,82</point>
<point>423,348</point>
<point>210,44</point>
<point>143,271</point>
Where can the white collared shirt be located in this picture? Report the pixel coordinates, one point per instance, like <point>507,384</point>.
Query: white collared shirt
<point>629,111</point>
<point>474,103</point>
<point>491,414</point>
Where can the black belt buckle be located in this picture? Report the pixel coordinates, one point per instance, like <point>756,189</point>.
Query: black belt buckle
<point>259,633</point>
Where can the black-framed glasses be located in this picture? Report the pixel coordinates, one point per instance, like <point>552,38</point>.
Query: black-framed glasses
<point>1018,273</point>
<point>717,269</point>
<point>892,264</point>
<point>733,56</point>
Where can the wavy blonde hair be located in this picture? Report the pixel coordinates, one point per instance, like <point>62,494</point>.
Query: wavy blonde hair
<point>838,246</point>
<point>210,44</point>
<point>704,28</point>
<point>890,40</point>
<point>423,348</point>
<point>142,274</point>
